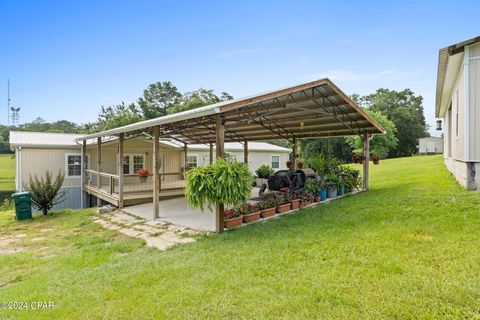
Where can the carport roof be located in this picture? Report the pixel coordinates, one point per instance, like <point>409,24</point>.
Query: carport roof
<point>310,110</point>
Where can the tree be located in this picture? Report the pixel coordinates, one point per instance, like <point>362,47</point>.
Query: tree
<point>329,147</point>
<point>405,110</point>
<point>158,99</point>
<point>199,98</point>
<point>381,144</point>
<point>115,116</point>
<point>46,191</point>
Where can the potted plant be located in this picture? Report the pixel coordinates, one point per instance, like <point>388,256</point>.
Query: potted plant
<point>294,201</point>
<point>233,218</point>
<point>267,208</point>
<point>307,199</point>
<point>283,204</point>
<point>263,173</point>
<point>250,212</point>
<point>311,186</point>
<point>332,181</point>
<point>143,174</point>
<point>322,189</point>
<point>375,159</point>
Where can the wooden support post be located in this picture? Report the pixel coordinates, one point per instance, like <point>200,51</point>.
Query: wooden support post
<point>184,161</point>
<point>99,168</point>
<point>366,153</point>
<point>295,153</point>
<point>220,150</point>
<point>156,177</point>
<point>211,152</point>
<point>84,176</point>
<point>245,152</point>
<point>121,179</point>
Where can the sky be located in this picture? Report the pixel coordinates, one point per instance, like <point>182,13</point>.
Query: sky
<point>65,59</point>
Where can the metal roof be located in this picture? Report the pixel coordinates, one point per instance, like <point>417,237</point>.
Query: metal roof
<point>236,146</point>
<point>43,139</point>
<point>449,64</point>
<point>308,110</point>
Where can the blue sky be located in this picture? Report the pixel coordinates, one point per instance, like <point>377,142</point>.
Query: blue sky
<point>66,59</point>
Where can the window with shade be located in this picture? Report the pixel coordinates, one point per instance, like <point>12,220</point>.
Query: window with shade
<point>74,165</point>
<point>192,161</point>
<point>275,162</point>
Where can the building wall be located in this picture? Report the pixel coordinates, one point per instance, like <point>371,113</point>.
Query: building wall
<point>38,161</point>
<point>171,159</point>
<point>255,158</point>
<point>474,101</point>
<point>462,151</point>
<point>430,145</point>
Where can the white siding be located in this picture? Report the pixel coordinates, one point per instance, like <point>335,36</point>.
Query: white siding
<point>474,102</point>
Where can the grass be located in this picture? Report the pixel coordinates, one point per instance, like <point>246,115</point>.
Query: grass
<point>407,249</point>
<point>7,172</point>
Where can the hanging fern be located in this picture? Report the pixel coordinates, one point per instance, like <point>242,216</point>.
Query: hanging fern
<point>224,182</point>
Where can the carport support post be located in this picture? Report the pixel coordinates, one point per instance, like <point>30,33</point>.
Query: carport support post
<point>245,152</point>
<point>295,153</point>
<point>366,153</point>
<point>184,161</point>
<point>99,168</point>
<point>84,167</point>
<point>211,152</point>
<point>121,179</point>
<point>156,177</point>
<point>220,149</point>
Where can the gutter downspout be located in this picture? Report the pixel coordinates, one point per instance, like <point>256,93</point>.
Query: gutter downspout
<point>17,170</point>
<point>20,186</point>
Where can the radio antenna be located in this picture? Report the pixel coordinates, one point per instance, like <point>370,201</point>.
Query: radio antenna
<point>8,102</point>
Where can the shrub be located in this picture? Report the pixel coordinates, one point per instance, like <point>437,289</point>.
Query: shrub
<point>46,191</point>
<point>264,172</point>
<point>266,204</point>
<point>6,205</point>
<point>223,182</point>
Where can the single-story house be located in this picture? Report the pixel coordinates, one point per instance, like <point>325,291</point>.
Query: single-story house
<point>458,104</point>
<point>38,152</point>
<point>430,145</point>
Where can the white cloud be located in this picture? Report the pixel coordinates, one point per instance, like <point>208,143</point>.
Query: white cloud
<point>347,75</point>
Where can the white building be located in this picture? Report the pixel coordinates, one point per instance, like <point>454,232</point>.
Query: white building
<point>458,104</point>
<point>430,145</point>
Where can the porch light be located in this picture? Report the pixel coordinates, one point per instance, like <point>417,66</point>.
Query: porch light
<point>439,125</point>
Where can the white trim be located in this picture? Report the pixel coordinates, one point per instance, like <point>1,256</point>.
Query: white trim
<point>466,105</point>
<point>66,165</point>
<point>82,176</point>
<point>271,160</point>
<point>17,170</point>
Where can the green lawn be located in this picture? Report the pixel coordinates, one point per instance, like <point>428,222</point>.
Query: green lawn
<point>7,172</point>
<point>407,249</point>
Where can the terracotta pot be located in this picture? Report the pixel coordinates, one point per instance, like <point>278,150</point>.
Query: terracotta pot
<point>305,203</point>
<point>376,161</point>
<point>233,222</point>
<point>295,204</point>
<point>251,217</point>
<point>317,198</point>
<point>284,208</point>
<point>265,213</point>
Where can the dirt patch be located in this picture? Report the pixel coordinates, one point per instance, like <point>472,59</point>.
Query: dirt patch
<point>12,250</point>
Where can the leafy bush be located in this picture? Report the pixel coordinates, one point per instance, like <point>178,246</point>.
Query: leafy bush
<point>324,166</point>
<point>264,172</point>
<point>266,204</point>
<point>223,182</point>
<point>6,205</point>
<point>46,191</point>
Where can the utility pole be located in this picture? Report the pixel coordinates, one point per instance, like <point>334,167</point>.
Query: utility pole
<point>8,102</point>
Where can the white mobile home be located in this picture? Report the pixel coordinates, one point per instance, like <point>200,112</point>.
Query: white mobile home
<point>458,104</point>
<point>37,153</point>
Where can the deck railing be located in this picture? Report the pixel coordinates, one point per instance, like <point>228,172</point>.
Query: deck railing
<point>108,183</point>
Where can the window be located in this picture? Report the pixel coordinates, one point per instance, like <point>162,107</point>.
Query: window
<point>138,163</point>
<point>126,164</point>
<point>133,163</point>
<point>275,162</point>
<point>74,165</point>
<point>192,161</point>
